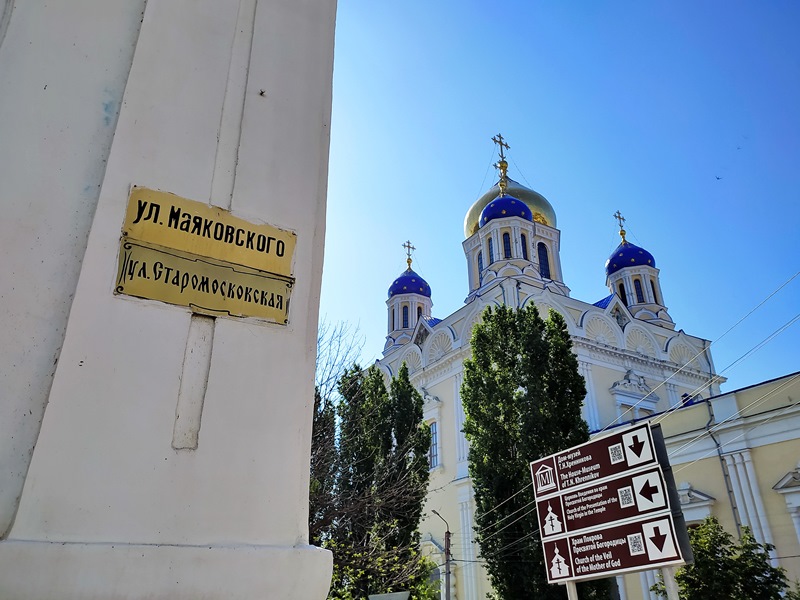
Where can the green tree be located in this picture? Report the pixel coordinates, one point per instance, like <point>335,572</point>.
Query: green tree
<point>380,482</point>
<point>338,346</point>
<point>522,397</point>
<point>727,570</point>
<point>321,492</point>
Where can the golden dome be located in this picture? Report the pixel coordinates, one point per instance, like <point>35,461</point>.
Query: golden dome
<point>540,208</point>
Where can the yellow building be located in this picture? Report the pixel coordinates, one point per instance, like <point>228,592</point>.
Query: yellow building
<point>735,456</point>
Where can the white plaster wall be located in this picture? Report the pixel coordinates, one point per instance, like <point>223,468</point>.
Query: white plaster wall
<point>104,473</point>
<point>120,367</point>
<point>63,69</point>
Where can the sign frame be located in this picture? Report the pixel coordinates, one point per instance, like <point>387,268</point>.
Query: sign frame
<point>587,477</point>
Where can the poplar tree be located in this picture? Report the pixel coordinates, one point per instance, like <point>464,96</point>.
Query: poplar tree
<point>522,396</point>
<point>323,468</point>
<point>381,478</point>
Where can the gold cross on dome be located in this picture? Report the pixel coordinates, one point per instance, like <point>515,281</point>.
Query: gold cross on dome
<point>620,219</point>
<point>408,248</point>
<point>498,139</point>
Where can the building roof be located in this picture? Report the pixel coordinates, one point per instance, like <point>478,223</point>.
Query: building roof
<point>409,282</point>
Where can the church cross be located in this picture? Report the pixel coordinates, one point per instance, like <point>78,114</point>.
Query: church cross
<point>620,219</point>
<point>498,139</point>
<point>408,248</point>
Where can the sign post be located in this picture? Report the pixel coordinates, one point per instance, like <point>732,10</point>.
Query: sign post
<point>604,508</point>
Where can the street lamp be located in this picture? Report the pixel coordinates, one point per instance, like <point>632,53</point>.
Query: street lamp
<point>446,556</point>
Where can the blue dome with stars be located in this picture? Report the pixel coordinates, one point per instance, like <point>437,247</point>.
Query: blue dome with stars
<point>409,283</point>
<point>505,206</point>
<point>628,255</point>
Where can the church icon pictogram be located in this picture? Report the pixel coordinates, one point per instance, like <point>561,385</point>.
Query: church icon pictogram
<point>559,567</point>
<point>552,524</point>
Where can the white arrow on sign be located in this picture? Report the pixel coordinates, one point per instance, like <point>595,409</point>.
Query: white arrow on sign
<point>649,491</point>
<point>637,447</point>
<point>658,540</point>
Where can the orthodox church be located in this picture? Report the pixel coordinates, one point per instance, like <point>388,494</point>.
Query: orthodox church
<point>634,361</point>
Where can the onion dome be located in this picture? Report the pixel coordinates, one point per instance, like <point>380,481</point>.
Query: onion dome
<point>628,255</point>
<point>541,210</point>
<point>505,206</point>
<point>409,283</point>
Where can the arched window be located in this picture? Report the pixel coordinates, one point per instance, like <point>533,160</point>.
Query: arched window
<point>622,294</point>
<point>405,317</point>
<point>491,251</point>
<point>544,261</point>
<point>394,321</point>
<point>506,245</point>
<point>637,286</point>
<point>653,287</point>
<point>419,312</point>
<point>524,241</point>
<point>480,262</point>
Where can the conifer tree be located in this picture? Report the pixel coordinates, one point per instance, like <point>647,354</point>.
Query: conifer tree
<point>522,397</point>
<point>323,468</point>
<point>381,477</point>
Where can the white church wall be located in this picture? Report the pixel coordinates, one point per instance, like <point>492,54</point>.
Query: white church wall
<point>69,63</point>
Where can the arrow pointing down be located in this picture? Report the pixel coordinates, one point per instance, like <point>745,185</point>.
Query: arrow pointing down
<point>637,446</point>
<point>658,539</point>
<point>648,490</point>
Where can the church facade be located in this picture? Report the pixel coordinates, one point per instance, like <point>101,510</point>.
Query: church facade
<point>634,361</point>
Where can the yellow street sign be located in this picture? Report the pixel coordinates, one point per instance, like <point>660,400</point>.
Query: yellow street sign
<point>169,221</point>
<point>206,285</point>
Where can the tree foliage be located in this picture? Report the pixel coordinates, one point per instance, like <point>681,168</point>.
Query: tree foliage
<point>522,397</point>
<point>728,570</point>
<point>338,347</point>
<point>369,477</point>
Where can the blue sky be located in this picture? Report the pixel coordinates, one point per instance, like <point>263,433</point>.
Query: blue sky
<point>683,115</point>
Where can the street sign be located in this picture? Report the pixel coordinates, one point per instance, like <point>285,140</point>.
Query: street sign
<point>616,499</point>
<point>593,461</point>
<point>613,550</point>
<point>604,507</point>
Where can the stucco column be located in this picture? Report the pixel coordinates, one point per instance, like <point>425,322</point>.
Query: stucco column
<point>173,458</point>
<point>467,577</point>
<point>796,522</point>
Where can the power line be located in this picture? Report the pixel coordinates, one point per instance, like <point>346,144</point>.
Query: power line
<point>491,535</point>
<point>757,402</point>
<point>755,348</point>
<point>707,454</point>
<point>488,512</point>
<point>704,349</point>
<point>508,516</point>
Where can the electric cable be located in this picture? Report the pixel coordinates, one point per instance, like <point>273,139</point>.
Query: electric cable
<point>731,328</point>
<point>757,402</point>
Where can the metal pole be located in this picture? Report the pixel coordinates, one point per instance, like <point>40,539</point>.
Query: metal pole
<point>447,564</point>
<point>671,586</point>
<point>446,556</point>
<point>572,591</point>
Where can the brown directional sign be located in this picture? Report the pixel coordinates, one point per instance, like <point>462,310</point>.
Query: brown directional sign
<point>617,499</point>
<point>604,507</point>
<point>593,461</point>
<point>628,547</point>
